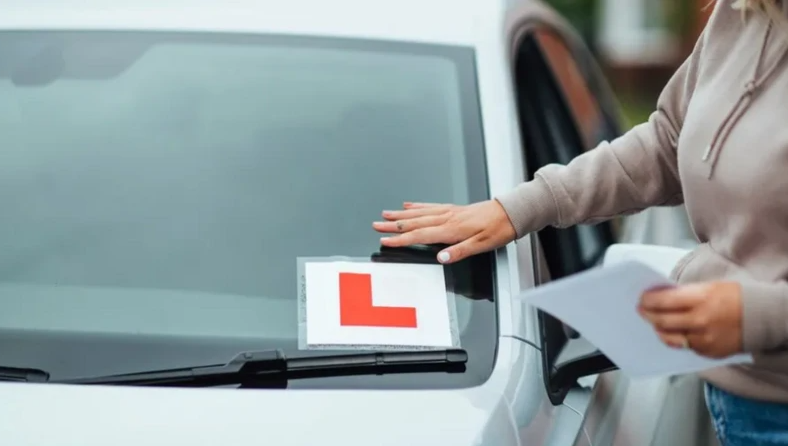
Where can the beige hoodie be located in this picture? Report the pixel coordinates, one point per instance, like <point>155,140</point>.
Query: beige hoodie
<point>718,142</point>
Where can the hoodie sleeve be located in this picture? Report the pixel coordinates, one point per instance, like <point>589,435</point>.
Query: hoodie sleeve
<point>765,310</point>
<point>635,171</point>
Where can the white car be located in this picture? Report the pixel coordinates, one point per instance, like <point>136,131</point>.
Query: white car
<point>164,164</point>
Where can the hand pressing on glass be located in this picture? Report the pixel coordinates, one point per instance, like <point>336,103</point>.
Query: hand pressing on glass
<point>469,230</point>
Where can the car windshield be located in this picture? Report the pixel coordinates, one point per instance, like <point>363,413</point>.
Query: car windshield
<point>157,189</point>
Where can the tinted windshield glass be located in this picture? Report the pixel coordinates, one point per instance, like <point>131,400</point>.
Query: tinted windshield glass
<point>156,189</point>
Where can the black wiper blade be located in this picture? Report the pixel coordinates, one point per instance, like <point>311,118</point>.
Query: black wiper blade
<point>21,374</point>
<point>244,366</point>
<point>273,369</point>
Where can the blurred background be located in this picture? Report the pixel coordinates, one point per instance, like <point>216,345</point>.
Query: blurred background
<point>639,43</point>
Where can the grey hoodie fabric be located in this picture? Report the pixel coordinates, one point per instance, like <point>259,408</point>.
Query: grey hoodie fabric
<point>718,142</point>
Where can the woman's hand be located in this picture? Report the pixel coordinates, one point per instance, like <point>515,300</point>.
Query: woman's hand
<point>705,317</point>
<point>470,229</point>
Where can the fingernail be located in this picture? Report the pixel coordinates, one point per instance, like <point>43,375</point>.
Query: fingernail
<point>444,256</point>
<point>383,239</point>
<point>386,213</point>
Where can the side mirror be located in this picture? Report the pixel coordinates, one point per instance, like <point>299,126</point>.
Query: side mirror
<point>567,358</point>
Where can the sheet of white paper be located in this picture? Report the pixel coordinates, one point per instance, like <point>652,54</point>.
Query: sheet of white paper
<point>601,304</point>
<point>661,258</point>
<point>394,285</point>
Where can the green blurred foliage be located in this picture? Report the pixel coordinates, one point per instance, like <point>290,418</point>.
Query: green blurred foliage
<point>676,15</point>
<point>634,110</point>
<point>582,14</point>
<point>680,16</point>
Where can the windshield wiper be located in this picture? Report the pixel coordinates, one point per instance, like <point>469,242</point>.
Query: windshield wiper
<point>20,374</point>
<point>272,369</point>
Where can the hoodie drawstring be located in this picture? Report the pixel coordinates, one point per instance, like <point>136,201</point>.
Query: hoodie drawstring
<point>714,149</point>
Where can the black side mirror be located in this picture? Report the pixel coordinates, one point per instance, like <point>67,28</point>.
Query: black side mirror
<point>566,358</point>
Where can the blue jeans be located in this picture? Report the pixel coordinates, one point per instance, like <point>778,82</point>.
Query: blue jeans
<point>742,422</point>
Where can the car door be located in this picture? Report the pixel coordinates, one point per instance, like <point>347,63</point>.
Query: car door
<point>565,108</point>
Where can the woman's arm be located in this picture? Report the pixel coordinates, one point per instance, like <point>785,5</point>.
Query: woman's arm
<point>635,171</point>
<point>627,175</point>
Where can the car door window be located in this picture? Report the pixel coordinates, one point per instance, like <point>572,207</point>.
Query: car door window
<point>583,107</point>
<point>578,96</point>
<point>561,116</point>
<point>589,104</point>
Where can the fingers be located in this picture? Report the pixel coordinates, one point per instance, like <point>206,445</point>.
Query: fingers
<point>479,243</point>
<point>468,248</point>
<point>424,236</point>
<point>675,340</point>
<point>462,250</point>
<point>710,345</point>
<point>676,321</point>
<point>414,213</point>
<point>409,205</point>
<point>474,228</point>
<point>407,225</point>
<point>702,343</point>
<point>680,298</point>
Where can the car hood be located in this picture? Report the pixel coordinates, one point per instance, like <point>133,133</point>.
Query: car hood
<point>48,414</point>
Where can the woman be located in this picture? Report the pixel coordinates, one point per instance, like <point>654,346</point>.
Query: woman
<point>718,143</point>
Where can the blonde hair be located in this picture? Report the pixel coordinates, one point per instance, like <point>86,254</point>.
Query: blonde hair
<point>768,7</point>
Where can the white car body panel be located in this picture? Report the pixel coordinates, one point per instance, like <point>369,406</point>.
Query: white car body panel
<point>94,416</point>
<point>380,20</point>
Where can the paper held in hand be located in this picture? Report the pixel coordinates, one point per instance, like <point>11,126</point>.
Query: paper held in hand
<point>601,304</point>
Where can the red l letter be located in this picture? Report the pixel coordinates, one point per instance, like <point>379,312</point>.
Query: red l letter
<point>356,309</point>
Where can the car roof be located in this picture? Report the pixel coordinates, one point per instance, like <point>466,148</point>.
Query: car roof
<point>461,22</point>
